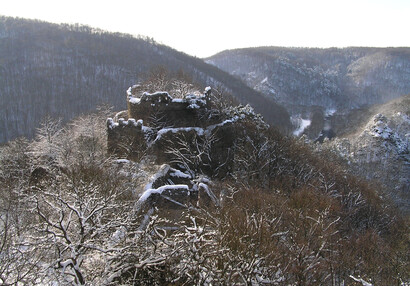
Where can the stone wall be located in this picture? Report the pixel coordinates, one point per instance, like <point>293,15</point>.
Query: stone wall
<point>126,138</point>
<point>160,108</point>
<point>149,112</point>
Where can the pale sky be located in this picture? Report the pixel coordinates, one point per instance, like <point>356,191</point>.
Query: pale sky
<point>203,28</point>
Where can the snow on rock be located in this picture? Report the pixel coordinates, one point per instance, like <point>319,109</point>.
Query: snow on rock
<point>210,194</point>
<point>160,190</point>
<point>111,124</point>
<point>159,96</point>
<point>134,100</point>
<point>195,102</point>
<point>193,106</point>
<point>179,174</point>
<point>122,122</point>
<point>236,114</point>
<point>198,130</point>
<point>129,91</point>
<point>130,94</point>
<point>132,122</point>
<point>380,127</point>
<point>178,100</point>
<point>162,172</point>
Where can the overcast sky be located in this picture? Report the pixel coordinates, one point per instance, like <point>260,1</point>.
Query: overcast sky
<point>203,28</point>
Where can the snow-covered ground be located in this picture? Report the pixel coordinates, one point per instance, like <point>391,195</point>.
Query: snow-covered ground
<point>303,124</point>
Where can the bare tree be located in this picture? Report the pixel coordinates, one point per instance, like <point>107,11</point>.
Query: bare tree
<point>191,151</point>
<point>77,216</point>
<point>19,262</point>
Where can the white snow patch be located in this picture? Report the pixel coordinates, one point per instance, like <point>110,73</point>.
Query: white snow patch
<point>179,174</point>
<point>132,122</point>
<point>382,131</point>
<point>160,95</point>
<point>122,122</point>
<point>198,130</point>
<point>195,102</point>
<point>210,128</point>
<point>134,100</point>
<point>193,106</point>
<point>364,283</point>
<point>380,127</point>
<point>111,124</point>
<point>265,80</point>
<point>178,100</point>
<point>304,123</point>
<point>160,190</point>
<point>163,170</point>
<point>330,112</point>
<point>129,93</point>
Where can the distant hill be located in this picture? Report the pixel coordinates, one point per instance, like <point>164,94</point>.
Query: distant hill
<point>313,83</point>
<point>66,70</point>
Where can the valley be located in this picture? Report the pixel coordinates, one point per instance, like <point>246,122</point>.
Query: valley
<point>312,83</point>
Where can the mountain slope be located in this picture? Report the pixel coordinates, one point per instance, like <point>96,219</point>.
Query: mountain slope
<point>274,214</point>
<point>378,148</point>
<point>63,71</point>
<point>313,82</point>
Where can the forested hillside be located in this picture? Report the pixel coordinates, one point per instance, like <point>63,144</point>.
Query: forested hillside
<point>377,148</point>
<point>314,83</point>
<point>223,201</point>
<point>65,70</point>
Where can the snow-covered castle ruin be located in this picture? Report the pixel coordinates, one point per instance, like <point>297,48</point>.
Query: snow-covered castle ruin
<point>191,135</point>
<point>149,115</point>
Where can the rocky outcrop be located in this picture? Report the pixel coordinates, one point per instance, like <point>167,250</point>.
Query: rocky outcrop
<point>164,127</point>
<point>189,136</point>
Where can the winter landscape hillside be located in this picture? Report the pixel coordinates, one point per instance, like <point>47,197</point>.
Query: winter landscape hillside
<point>378,148</point>
<point>126,162</point>
<point>315,83</point>
<point>66,70</point>
<point>214,197</point>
